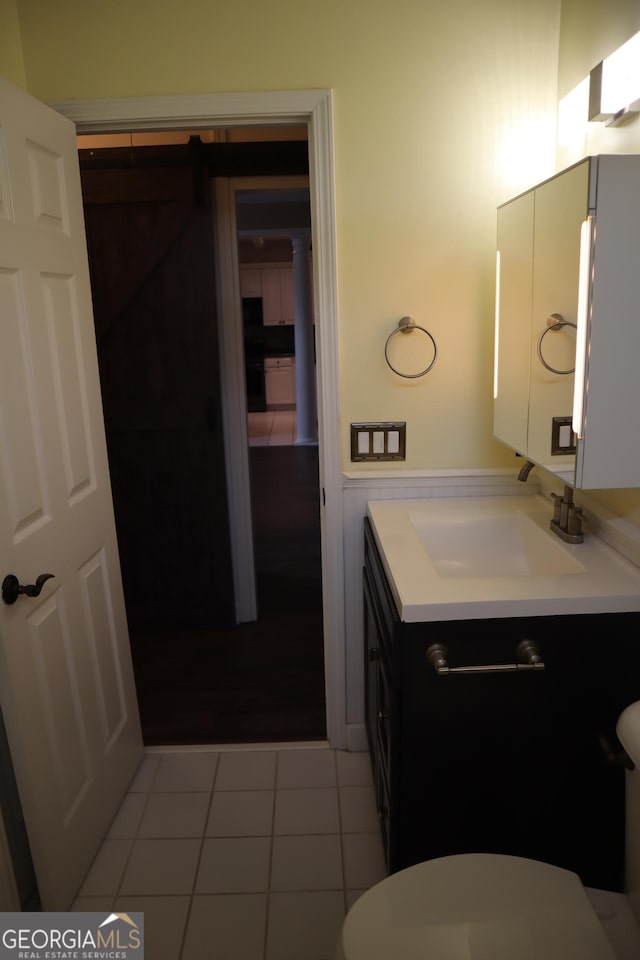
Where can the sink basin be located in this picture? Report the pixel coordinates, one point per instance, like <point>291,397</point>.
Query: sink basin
<point>511,545</point>
<point>463,558</point>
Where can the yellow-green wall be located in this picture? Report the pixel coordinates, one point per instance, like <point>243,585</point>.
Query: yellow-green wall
<point>441,112</point>
<point>11,60</point>
<point>429,98</point>
<point>590,31</point>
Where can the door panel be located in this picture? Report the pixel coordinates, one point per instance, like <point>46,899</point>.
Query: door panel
<point>100,625</point>
<point>20,438</point>
<point>57,692</point>
<point>61,319</point>
<point>66,682</point>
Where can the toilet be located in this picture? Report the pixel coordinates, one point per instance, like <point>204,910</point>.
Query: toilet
<point>481,906</point>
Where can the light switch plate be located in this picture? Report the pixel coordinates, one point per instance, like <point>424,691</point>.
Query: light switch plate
<point>378,441</point>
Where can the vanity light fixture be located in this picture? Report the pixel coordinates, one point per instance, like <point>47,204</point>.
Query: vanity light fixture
<point>614,85</point>
<point>496,334</point>
<point>586,239</point>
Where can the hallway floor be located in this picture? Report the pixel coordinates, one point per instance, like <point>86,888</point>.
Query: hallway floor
<point>241,854</point>
<point>273,428</point>
<point>261,681</point>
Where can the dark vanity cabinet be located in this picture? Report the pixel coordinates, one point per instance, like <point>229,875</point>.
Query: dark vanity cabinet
<point>519,762</point>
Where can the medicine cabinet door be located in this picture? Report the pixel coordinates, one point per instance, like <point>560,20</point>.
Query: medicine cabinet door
<point>561,206</point>
<point>514,273</point>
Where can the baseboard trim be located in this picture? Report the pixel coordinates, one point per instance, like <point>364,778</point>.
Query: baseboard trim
<point>357,737</point>
<point>238,747</point>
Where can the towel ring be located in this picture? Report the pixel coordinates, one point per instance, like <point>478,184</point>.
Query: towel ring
<point>408,325</point>
<point>554,322</point>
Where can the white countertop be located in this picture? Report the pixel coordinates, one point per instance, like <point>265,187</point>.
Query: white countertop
<point>604,582</point>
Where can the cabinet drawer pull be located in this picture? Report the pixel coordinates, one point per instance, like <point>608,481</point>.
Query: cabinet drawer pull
<point>527,651</point>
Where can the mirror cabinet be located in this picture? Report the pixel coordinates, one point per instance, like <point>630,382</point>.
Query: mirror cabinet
<point>568,324</point>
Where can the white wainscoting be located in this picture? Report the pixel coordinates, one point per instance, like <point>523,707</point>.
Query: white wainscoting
<point>358,489</point>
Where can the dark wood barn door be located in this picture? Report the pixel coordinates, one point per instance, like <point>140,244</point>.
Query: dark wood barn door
<point>149,236</point>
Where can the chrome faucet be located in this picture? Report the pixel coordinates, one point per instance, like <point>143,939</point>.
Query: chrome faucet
<point>567,517</point>
<point>525,470</point>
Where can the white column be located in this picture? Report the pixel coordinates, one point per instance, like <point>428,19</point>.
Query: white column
<point>306,403</point>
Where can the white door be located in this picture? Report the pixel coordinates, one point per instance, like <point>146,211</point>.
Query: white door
<point>66,681</point>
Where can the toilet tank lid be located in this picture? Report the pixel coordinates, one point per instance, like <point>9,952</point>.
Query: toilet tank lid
<point>628,730</point>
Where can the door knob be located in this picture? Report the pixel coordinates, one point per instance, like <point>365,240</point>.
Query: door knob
<point>12,588</point>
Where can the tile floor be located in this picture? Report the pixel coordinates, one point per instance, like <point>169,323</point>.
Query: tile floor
<point>273,428</point>
<point>241,854</point>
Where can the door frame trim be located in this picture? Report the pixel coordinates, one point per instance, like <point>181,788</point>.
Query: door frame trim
<point>315,109</point>
<point>232,374</point>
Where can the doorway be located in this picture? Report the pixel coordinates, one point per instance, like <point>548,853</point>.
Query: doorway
<point>314,108</point>
<point>199,680</point>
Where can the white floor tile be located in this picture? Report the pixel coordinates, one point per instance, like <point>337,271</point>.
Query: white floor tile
<point>164,923</point>
<point>229,927</point>
<point>92,904</point>
<point>358,811</point>
<point>145,774</point>
<point>249,770</point>
<point>175,815</point>
<point>354,769</point>
<point>106,870</point>
<point>304,926</point>
<point>273,428</point>
<point>161,867</point>
<point>226,852</point>
<point>306,768</point>
<point>127,820</point>
<point>306,863</point>
<point>244,813</point>
<point>185,772</point>
<point>282,438</point>
<point>351,896</point>
<point>363,860</point>
<point>305,811</point>
<point>234,865</point>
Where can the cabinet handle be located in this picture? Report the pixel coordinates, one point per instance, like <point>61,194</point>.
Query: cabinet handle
<point>527,651</point>
<point>374,654</point>
<point>382,716</point>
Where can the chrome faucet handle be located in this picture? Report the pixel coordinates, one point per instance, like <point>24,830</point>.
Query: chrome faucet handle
<point>567,517</point>
<point>557,506</point>
<point>574,521</point>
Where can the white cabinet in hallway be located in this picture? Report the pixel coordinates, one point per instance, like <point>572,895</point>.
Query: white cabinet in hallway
<point>280,382</point>
<point>277,295</point>
<point>274,284</point>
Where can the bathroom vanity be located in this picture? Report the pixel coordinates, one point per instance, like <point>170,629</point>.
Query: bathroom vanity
<point>517,754</point>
